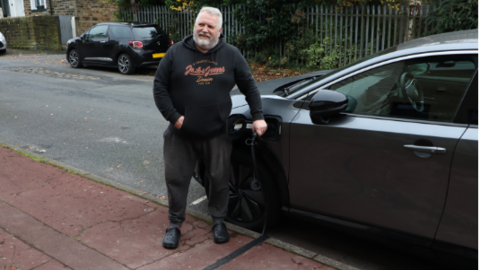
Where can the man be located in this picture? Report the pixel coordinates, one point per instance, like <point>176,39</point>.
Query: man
<point>192,91</point>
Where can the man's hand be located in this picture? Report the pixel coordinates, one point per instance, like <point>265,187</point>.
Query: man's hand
<point>179,122</point>
<point>260,126</point>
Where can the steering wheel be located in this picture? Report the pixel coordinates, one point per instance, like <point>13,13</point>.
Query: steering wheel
<point>411,89</point>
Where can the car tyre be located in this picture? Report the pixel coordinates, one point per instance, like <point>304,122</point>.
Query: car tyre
<point>125,64</point>
<point>247,207</point>
<point>74,59</point>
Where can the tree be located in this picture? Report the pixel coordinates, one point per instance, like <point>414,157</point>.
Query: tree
<point>453,15</point>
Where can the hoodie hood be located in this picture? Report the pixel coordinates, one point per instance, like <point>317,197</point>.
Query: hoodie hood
<point>190,43</point>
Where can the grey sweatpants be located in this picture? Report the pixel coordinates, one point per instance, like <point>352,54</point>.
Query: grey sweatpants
<point>180,156</point>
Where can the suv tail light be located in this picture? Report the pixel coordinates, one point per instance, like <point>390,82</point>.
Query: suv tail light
<point>135,44</point>
<point>171,42</point>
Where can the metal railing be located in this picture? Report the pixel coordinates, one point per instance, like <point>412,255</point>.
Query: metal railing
<point>353,32</point>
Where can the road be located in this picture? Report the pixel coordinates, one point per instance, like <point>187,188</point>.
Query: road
<point>100,121</point>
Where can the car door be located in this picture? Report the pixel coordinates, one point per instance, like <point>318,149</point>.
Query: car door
<point>386,162</point>
<point>459,224</point>
<point>93,45</point>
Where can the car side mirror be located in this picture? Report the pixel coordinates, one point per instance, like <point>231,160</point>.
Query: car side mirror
<point>326,103</point>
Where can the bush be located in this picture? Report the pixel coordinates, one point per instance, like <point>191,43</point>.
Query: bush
<point>453,15</point>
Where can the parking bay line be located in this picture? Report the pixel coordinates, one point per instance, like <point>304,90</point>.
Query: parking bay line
<point>199,200</point>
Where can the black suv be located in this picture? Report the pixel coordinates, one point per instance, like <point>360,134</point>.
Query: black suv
<point>123,45</point>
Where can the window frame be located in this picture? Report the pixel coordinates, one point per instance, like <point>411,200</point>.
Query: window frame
<point>33,5</point>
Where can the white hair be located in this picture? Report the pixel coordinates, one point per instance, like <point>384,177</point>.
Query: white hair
<point>212,11</point>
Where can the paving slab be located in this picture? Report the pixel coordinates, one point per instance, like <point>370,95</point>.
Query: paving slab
<point>138,242</point>
<point>20,174</point>
<point>201,255</point>
<point>53,265</point>
<point>51,242</point>
<point>266,256</point>
<point>17,254</point>
<point>70,203</point>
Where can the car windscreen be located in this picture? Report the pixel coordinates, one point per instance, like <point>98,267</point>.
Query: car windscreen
<point>147,32</point>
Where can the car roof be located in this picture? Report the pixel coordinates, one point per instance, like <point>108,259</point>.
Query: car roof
<point>449,38</point>
<point>133,24</point>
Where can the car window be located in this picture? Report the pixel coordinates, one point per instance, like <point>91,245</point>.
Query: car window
<point>430,88</point>
<point>151,31</point>
<point>120,32</point>
<point>98,32</point>
<point>323,77</point>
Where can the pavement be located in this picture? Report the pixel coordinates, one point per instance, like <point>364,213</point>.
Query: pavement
<point>53,216</point>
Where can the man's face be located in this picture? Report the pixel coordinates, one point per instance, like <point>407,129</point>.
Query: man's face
<point>206,31</point>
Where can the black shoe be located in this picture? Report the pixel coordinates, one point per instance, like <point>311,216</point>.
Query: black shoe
<point>220,233</point>
<point>171,237</point>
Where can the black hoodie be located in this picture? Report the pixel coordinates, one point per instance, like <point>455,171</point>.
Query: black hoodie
<point>197,85</point>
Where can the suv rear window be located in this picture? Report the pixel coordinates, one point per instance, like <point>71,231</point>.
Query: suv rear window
<point>151,31</point>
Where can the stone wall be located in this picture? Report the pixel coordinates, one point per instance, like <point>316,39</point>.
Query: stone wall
<point>91,12</point>
<point>37,32</point>
<point>60,7</point>
<point>88,12</point>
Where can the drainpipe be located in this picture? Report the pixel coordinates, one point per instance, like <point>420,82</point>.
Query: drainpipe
<point>51,8</point>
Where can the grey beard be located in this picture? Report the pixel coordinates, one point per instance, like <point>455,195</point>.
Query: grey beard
<point>204,44</point>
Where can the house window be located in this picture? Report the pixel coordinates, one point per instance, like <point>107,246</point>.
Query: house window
<point>38,4</point>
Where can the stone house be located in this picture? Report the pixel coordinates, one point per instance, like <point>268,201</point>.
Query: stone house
<point>87,13</point>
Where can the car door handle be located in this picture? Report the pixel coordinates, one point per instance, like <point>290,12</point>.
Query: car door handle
<point>426,149</point>
<point>103,41</point>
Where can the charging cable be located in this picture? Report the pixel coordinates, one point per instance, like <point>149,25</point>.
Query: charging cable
<point>255,185</point>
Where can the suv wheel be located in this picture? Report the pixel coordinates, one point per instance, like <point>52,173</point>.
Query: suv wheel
<point>247,205</point>
<point>125,64</point>
<point>74,59</point>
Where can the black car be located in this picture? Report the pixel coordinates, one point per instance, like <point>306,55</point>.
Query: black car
<point>123,45</point>
<point>387,144</point>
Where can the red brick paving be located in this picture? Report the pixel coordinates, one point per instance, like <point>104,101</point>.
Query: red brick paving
<point>15,253</point>
<point>57,220</point>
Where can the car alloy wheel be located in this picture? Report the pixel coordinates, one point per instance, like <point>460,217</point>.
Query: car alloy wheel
<point>247,204</point>
<point>74,59</point>
<point>125,65</point>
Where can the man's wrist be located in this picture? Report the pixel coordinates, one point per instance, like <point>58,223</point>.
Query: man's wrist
<point>257,116</point>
